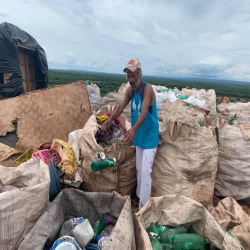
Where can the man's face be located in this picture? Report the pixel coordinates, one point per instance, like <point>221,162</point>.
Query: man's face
<point>134,79</point>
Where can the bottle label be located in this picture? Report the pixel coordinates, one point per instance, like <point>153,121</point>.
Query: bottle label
<point>111,163</point>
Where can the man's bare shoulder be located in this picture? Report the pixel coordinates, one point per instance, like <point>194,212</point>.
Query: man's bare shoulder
<point>149,89</point>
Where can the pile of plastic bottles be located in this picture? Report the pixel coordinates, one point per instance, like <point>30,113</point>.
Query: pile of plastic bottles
<point>237,121</point>
<point>77,233</point>
<point>110,135</point>
<point>177,238</point>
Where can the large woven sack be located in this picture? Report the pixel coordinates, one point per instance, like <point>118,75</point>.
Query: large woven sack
<point>94,95</point>
<point>21,208</point>
<point>235,108</point>
<point>74,203</point>
<point>208,95</point>
<point>114,99</point>
<point>181,109</point>
<point>186,161</point>
<point>233,176</point>
<point>231,217</point>
<point>120,178</point>
<point>175,210</point>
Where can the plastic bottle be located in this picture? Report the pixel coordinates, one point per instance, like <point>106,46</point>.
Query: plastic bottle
<point>234,119</point>
<point>243,119</point>
<point>180,230</point>
<point>166,246</point>
<point>167,236</point>
<point>156,245</point>
<point>160,228</point>
<point>99,165</point>
<point>189,241</point>
<point>153,229</point>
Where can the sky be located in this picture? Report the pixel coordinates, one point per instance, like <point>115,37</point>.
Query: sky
<point>182,38</point>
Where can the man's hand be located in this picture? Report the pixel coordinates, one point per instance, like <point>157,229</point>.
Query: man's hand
<point>107,123</point>
<point>130,136</point>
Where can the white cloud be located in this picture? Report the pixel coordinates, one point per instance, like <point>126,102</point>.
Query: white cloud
<point>215,60</point>
<point>169,37</point>
<point>239,71</point>
<point>70,54</point>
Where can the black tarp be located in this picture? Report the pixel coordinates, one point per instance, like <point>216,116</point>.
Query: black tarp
<point>10,37</point>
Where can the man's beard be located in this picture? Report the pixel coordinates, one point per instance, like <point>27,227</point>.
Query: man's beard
<point>136,84</point>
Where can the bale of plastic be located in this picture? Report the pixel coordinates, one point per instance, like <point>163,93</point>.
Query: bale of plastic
<point>175,210</point>
<point>186,160</point>
<point>233,176</point>
<point>94,95</point>
<point>21,208</point>
<point>180,109</point>
<point>208,95</point>
<point>120,178</point>
<point>72,203</point>
<point>114,99</point>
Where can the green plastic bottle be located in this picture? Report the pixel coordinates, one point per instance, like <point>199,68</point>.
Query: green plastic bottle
<point>167,236</point>
<point>180,230</point>
<point>152,228</point>
<point>167,246</point>
<point>234,119</point>
<point>99,165</point>
<point>156,245</point>
<point>189,241</point>
<point>160,229</point>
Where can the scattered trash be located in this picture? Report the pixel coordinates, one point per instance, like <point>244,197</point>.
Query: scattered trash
<point>25,156</point>
<point>105,208</point>
<point>113,134</point>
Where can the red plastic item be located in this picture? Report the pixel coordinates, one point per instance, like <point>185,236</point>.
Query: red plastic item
<point>116,121</point>
<point>46,154</point>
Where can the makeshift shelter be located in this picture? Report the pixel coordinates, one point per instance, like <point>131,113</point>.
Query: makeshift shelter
<point>23,63</point>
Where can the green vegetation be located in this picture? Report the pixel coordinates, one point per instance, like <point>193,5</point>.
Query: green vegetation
<point>111,82</point>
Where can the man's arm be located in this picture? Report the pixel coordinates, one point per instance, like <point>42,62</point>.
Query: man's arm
<point>148,94</point>
<point>117,112</point>
<point>119,109</point>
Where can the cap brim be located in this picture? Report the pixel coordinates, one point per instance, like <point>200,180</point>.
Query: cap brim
<point>129,69</point>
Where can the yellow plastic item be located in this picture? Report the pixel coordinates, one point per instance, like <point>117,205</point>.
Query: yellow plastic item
<point>68,162</point>
<point>225,100</point>
<point>102,118</point>
<point>25,156</point>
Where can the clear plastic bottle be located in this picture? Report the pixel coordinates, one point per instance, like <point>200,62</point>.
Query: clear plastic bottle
<point>243,119</point>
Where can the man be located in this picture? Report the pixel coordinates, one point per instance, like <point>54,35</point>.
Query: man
<point>144,132</point>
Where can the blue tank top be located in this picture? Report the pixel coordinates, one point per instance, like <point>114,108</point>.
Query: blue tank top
<point>147,136</point>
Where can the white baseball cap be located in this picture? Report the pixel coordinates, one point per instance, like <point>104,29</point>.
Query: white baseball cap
<point>132,65</point>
